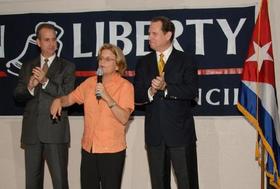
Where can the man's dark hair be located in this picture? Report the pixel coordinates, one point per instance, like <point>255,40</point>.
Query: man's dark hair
<point>44,25</point>
<point>167,25</point>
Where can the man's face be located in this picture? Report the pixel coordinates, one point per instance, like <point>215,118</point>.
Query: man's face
<point>47,42</point>
<point>158,40</point>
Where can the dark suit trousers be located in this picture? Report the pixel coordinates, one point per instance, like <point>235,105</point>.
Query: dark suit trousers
<point>184,162</point>
<point>56,156</point>
<point>102,169</point>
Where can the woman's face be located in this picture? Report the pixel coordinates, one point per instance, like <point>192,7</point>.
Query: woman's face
<point>108,62</point>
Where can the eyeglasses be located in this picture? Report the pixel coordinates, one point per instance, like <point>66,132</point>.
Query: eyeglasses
<point>107,59</point>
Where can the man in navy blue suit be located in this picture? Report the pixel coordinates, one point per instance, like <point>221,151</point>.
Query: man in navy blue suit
<point>166,83</point>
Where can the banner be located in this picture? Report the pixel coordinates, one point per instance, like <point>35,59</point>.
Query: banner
<point>218,39</point>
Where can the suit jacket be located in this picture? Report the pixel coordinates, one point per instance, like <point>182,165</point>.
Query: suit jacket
<point>37,124</point>
<point>168,117</point>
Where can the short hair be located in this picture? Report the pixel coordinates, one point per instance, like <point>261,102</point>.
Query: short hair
<point>167,25</point>
<point>42,26</point>
<point>120,58</point>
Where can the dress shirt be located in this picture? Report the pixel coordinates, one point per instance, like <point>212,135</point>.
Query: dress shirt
<point>166,55</point>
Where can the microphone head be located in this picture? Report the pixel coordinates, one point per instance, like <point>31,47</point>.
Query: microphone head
<point>99,74</point>
<point>99,71</point>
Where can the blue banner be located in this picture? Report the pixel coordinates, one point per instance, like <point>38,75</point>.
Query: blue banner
<point>218,38</point>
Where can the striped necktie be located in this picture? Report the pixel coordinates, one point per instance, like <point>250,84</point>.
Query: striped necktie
<point>45,65</point>
<point>161,64</point>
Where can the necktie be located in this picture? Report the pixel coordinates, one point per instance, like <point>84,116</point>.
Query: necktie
<point>161,64</point>
<point>45,65</point>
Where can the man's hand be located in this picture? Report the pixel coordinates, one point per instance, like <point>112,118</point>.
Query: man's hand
<point>56,108</point>
<point>39,74</point>
<point>33,82</point>
<point>159,83</point>
<point>152,91</point>
<point>100,89</point>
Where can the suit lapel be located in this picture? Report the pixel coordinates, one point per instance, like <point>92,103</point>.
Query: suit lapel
<point>36,63</point>
<point>153,65</point>
<point>53,68</point>
<point>171,63</point>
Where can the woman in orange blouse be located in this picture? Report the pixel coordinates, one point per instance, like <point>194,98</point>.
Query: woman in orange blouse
<point>103,142</point>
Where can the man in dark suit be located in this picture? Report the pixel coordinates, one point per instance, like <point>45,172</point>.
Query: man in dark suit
<point>43,139</point>
<point>166,83</point>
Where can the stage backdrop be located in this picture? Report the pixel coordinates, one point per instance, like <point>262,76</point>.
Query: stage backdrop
<point>218,39</point>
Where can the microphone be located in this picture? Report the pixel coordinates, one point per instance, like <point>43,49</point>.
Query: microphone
<point>99,74</point>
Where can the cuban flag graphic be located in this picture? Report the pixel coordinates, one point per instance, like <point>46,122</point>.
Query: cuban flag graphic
<point>257,96</point>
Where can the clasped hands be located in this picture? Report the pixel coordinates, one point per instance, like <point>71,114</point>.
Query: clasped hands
<point>38,76</point>
<point>157,84</point>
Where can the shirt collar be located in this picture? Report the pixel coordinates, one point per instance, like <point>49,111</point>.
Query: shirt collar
<point>112,79</point>
<point>51,58</point>
<point>165,53</point>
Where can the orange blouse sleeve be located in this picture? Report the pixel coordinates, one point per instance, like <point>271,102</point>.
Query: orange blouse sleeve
<point>79,94</point>
<point>126,100</point>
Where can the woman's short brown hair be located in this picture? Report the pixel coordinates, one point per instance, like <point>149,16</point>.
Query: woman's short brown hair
<point>120,59</point>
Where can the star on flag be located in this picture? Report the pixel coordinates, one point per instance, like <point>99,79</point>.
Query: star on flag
<point>260,54</point>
